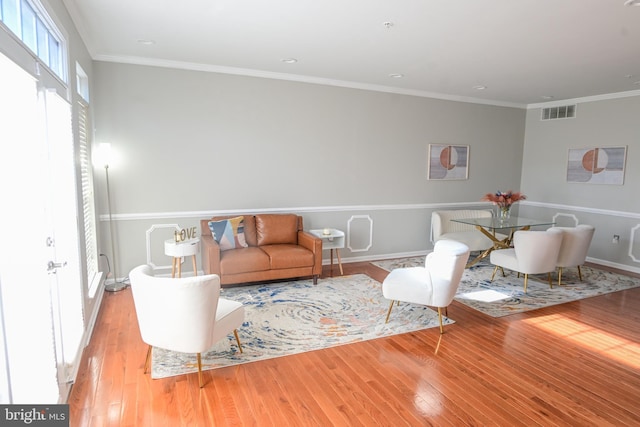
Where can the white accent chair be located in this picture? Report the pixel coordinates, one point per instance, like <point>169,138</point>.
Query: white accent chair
<point>574,248</point>
<point>442,228</point>
<point>433,285</point>
<point>533,252</point>
<point>185,315</point>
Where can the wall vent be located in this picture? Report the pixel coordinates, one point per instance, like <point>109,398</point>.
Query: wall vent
<point>561,112</point>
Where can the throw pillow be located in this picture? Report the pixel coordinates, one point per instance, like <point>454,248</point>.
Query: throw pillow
<point>229,233</point>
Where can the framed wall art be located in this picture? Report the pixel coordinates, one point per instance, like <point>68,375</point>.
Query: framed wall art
<point>596,165</point>
<point>448,162</point>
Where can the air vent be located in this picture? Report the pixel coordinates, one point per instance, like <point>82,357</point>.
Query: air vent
<point>562,112</point>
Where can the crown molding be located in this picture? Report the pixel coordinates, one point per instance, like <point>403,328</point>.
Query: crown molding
<point>152,62</point>
<point>595,98</point>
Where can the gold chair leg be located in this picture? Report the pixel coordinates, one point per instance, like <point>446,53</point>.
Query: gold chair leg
<point>235,332</point>
<point>526,278</point>
<point>200,370</point>
<point>502,269</point>
<point>389,312</point>
<point>559,276</point>
<point>147,362</point>
<point>580,273</point>
<point>440,319</point>
<point>550,282</point>
<point>494,273</point>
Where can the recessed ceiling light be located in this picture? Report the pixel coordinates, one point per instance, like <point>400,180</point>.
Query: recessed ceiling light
<point>396,76</point>
<point>289,60</point>
<point>479,87</point>
<point>546,97</point>
<point>146,42</point>
<point>632,3</point>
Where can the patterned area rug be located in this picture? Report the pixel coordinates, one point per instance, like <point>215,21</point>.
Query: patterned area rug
<point>294,317</point>
<point>505,295</point>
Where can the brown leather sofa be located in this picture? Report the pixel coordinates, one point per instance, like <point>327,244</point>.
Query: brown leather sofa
<point>277,248</point>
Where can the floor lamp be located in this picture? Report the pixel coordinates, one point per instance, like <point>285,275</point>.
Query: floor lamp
<point>116,286</point>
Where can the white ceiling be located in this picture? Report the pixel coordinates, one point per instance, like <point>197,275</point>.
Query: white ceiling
<point>521,50</point>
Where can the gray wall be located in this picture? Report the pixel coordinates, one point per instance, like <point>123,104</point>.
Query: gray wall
<point>613,209</point>
<point>191,144</point>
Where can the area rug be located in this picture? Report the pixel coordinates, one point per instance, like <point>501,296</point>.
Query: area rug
<point>293,317</point>
<point>505,295</point>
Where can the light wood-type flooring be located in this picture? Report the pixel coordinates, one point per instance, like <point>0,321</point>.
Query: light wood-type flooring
<point>576,364</point>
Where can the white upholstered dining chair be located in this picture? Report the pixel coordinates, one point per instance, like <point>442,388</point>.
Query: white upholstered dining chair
<point>443,228</point>
<point>533,252</point>
<point>575,246</point>
<point>184,315</point>
<point>433,285</point>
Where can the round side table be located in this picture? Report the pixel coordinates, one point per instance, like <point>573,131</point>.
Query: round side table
<point>177,250</point>
<point>332,239</point>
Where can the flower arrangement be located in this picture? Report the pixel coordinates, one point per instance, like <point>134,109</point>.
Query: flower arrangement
<point>504,199</point>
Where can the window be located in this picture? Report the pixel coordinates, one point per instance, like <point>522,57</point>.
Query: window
<point>88,199</point>
<point>27,20</point>
<point>86,177</point>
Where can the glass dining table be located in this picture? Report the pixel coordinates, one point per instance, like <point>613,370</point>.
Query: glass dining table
<point>500,231</point>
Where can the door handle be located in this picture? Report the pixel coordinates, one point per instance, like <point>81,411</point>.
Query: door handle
<point>52,266</point>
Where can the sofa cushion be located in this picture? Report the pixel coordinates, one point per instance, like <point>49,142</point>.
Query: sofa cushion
<point>245,260</point>
<point>274,229</point>
<point>229,233</point>
<point>288,256</point>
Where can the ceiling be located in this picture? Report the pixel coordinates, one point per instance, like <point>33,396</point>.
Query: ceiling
<point>502,52</point>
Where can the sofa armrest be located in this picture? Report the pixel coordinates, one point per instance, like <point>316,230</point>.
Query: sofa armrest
<point>210,255</point>
<point>314,244</point>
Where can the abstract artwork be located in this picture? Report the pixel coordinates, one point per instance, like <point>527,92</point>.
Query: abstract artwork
<point>599,165</point>
<point>448,161</point>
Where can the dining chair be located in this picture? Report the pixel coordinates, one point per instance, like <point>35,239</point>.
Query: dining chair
<point>533,252</point>
<point>575,246</point>
<point>433,285</point>
<point>185,315</point>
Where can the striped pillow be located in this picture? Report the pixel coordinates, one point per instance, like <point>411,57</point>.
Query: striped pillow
<point>229,233</point>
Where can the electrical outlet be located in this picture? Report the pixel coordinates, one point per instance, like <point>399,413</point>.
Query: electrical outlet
<point>616,239</point>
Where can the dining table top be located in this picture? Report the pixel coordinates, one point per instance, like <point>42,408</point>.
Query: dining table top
<point>512,222</point>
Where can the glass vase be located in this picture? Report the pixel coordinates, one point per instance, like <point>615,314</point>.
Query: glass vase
<point>504,213</point>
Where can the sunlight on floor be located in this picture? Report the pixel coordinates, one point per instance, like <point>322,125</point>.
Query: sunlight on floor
<point>612,346</point>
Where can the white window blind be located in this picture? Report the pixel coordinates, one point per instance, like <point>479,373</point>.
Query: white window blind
<point>88,201</point>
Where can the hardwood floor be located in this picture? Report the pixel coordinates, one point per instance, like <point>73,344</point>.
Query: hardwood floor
<point>576,364</point>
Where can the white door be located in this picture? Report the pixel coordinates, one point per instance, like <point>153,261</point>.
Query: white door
<point>41,310</point>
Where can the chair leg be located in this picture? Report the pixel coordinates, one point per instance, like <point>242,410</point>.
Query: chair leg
<point>580,273</point>
<point>389,312</point>
<point>494,273</point>
<point>440,319</point>
<point>147,362</point>
<point>550,282</point>
<point>235,332</point>
<point>526,278</point>
<point>200,370</point>
<point>559,276</point>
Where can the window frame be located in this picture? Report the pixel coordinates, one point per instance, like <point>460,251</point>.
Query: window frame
<point>57,64</point>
